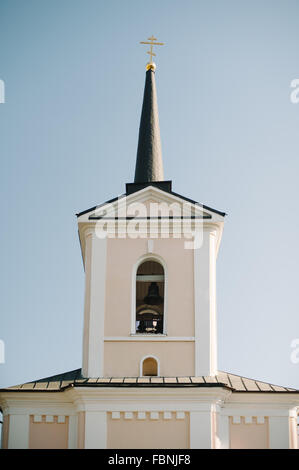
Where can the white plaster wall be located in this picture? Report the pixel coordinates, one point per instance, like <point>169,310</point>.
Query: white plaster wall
<point>205,305</point>
<point>95,288</point>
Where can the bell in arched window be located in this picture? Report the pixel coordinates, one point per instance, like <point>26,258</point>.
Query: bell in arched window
<point>153,297</point>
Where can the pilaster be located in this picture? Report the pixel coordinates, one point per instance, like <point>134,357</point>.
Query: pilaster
<point>94,308</point>
<point>18,435</point>
<point>205,304</point>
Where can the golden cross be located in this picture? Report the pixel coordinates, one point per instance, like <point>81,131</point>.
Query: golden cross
<point>152,43</point>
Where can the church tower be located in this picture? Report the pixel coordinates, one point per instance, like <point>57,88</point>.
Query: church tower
<point>150,272</point>
<point>149,377</point>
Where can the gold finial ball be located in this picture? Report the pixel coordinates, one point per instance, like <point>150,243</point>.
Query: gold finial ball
<point>151,66</point>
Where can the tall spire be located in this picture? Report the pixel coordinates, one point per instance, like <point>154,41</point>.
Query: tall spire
<point>149,165</point>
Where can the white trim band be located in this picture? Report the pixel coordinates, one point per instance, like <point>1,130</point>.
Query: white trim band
<point>140,337</point>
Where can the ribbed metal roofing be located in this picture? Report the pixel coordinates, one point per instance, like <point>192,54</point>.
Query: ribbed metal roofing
<point>75,379</point>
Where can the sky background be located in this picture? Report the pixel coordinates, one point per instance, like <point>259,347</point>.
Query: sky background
<point>74,73</point>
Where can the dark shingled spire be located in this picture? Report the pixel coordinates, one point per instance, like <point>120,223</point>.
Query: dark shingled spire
<point>149,166</point>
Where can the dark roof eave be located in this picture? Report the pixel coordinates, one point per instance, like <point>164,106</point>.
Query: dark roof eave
<point>146,385</point>
<point>119,385</point>
<point>100,205</point>
<point>223,214</point>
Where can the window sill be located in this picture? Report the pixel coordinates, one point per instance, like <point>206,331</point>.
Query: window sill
<point>149,337</point>
<point>148,334</point>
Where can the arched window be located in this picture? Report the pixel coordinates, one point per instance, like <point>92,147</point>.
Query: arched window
<point>149,367</point>
<point>150,298</point>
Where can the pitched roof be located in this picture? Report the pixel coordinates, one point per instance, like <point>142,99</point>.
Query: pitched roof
<point>74,378</point>
<point>92,209</point>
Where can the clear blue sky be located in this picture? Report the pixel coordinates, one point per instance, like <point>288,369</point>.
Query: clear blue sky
<point>74,74</point>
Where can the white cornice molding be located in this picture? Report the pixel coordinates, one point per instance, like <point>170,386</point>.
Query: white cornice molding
<point>206,394</point>
<point>74,399</point>
<point>40,403</point>
<point>278,400</point>
<point>147,399</point>
<point>149,229</point>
